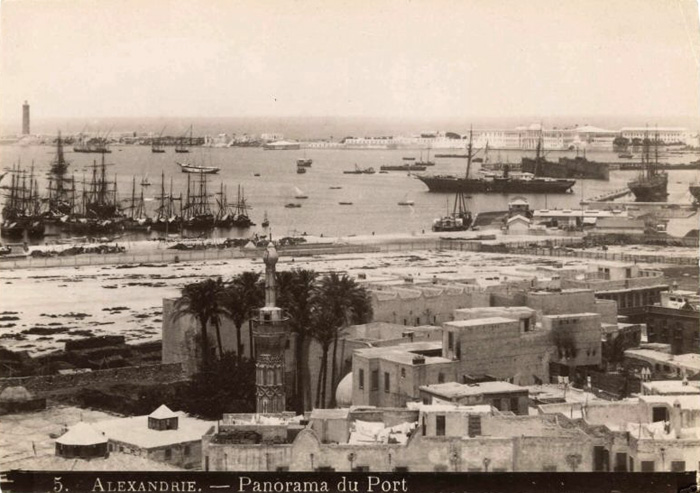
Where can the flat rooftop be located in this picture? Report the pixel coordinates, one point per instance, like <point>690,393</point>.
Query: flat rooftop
<point>404,353</point>
<point>477,322</point>
<point>686,401</point>
<point>456,390</point>
<point>690,361</point>
<point>135,431</point>
<point>672,387</point>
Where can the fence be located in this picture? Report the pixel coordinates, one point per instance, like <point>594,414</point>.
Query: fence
<point>550,247</point>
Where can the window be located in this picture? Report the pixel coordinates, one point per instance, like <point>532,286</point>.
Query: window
<point>620,462</point>
<point>168,454</point>
<point>647,466</point>
<point>361,379</point>
<point>403,372</point>
<point>386,382</point>
<point>474,425</point>
<point>375,380</point>
<point>282,468</point>
<point>450,340</point>
<point>514,404</point>
<point>441,377</point>
<point>440,426</point>
<point>187,450</point>
<point>417,321</point>
<point>659,414</point>
<point>677,466</point>
<point>496,403</point>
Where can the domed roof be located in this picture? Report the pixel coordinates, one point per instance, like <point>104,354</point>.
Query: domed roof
<point>343,393</point>
<point>15,394</point>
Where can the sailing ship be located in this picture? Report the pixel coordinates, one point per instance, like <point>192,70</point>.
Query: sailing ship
<point>406,201</point>
<point>266,221</point>
<point>166,218</point>
<point>524,183</point>
<point>304,163</point>
<point>97,144</point>
<point>196,213</point>
<point>460,219</point>
<point>157,143</point>
<point>651,185</point>
<point>300,194</point>
<point>21,213</point>
<point>242,220</point>
<point>301,170</point>
<point>184,142</point>
<point>427,162</point>
<point>137,219</point>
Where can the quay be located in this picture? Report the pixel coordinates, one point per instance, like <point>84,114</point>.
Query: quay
<point>616,194</point>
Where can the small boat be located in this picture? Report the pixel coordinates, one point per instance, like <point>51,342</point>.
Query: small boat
<point>360,171</point>
<point>304,163</point>
<point>335,188</point>
<point>145,182</point>
<point>301,170</point>
<point>404,167</point>
<point>406,201</point>
<point>256,174</point>
<point>383,172</point>
<point>409,159</point>
<point>266,221</point>
<point>478,160</point>
<point>300,194</point>
<point>193,168</point>
<point>345,203</point>
<point>292,206</point>
<point>625,155</point>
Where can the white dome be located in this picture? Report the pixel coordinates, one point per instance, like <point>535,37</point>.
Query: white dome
<point>343,393</point>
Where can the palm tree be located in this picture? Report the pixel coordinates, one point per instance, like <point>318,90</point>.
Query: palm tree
<point>295,290</point>
<point>350,304</point>
<point>323,329</point>
<point>253,294</point>
<point>201,300</point>
<point>242,294</point>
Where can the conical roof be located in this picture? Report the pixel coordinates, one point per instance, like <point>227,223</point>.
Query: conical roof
<point>81,434</point>
<point>163,412</point>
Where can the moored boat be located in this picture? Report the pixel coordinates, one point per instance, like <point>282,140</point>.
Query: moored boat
<point>193,168</point>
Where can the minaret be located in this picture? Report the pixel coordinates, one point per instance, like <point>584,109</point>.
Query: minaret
<point>270,332</point>
<point>25,118</point>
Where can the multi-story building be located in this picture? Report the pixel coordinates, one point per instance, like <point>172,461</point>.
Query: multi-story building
<point>503,396</point>
<point>675,320</point>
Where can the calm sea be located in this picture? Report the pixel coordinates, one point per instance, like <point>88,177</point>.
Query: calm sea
<point>374,198</point>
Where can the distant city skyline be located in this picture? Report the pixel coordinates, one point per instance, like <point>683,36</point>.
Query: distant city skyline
<point>421,61</point>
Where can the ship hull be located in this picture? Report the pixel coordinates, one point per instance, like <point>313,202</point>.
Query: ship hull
<point>567,168</point>
<point>650,189</point>
<point>448,184</point>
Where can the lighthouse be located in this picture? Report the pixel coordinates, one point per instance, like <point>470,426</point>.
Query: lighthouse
<point>270,333</point>
<point>25,118</point>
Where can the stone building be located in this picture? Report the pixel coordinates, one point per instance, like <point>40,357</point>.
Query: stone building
<point>675,320</point>
<point>422,439</point>
<point>162,436</point>
<point>503,396</point>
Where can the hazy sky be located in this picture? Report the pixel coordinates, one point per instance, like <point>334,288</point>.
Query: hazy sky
<point>412,59</point>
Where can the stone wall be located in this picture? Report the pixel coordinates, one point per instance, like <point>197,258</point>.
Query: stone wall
<point>57,384</point>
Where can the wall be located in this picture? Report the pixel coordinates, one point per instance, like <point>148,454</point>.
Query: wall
<point>579,333</point>
<point>55,384</point>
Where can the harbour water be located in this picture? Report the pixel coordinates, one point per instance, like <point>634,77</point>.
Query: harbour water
<point>374,197</point>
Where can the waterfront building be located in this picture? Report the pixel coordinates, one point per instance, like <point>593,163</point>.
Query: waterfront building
<point>162,436</point>
<point>667,135</point>
<point>25,119</point>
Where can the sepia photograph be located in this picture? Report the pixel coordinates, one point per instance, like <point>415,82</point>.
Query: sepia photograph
<point>360,246</point>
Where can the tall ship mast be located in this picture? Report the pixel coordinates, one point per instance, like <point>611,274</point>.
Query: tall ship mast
<point>502,184</point>
<point>21,212</point>
<point>100,195</point>
<point>61,199</point>
<point>651,185</point>
<point>197,212</point>
<point>242,220</point>
<point>157,143</point>
<point>184,142</point>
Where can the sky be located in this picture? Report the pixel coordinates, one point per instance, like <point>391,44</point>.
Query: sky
<point>360,58</point>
